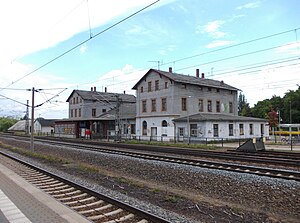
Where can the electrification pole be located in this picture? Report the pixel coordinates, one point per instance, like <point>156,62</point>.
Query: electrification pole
<point>27,119</point>
<point>32,122</point>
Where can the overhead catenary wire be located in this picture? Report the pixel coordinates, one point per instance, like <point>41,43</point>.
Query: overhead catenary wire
<point>83,42</point>
<point>231,46</point>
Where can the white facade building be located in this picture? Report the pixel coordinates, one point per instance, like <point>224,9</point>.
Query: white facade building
<point>166,102</point>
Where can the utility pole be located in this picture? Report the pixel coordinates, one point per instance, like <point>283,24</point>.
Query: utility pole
<point>118,119</point>
<point>32,123</point>
<point>27,119</point>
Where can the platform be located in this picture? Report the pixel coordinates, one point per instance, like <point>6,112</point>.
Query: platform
<point>21,202</point>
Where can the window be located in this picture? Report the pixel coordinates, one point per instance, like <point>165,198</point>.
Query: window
<point>142,89</point>
<point>183,86</point>
<point>79,112</point>
<point>132,128</point>
<point>209,89</point>
<point>94,112</point>
<point>218,90</point>
<point>71,113</point>
<point>251,129</point>
<point>164,123</point>
<point>183,104</point>
<point>157,85</point>
<point>103,110</point>
<point>241,129</point>
<point>262,129</point>
<point>144,106</point>
<point>216,130</point>
<point>75,112</point>
<point>230,107</point>
<point>193,130</point>
<point>209,106</point>
<point>80,100</point>
<point>200,105</point>
<point>153,105</point>
<point>218,106</point>
<point>164,104</point>
<point>230,129</point>
<point>149,86</point>
<point>76,100</point>
<point>166,85</point>
<point>144,128</point>
<point>181,131</point>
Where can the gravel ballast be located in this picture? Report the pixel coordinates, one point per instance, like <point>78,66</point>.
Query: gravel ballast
<point>194,194</point>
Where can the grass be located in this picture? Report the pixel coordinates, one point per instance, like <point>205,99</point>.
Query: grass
<point>170,144</point>
<point>172,198</point>
<point>154,190</point>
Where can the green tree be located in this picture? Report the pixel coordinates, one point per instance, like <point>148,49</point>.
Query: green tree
<point>261,109</point>
<point>291,107</point>
<point>243,107</point>
<point>6,123</point>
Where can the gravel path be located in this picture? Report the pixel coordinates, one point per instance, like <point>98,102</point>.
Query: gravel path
<point>203,195</point>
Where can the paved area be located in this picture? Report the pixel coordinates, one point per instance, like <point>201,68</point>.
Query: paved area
<point>21,202</point>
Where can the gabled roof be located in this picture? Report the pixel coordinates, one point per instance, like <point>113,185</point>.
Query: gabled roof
<point>103,96</point>
<point>127,111</point>
<point>19,126</point>
<point>185,79</point>
<point>46,122</point>
<point>217,117</point>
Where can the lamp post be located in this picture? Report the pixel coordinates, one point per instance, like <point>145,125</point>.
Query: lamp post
<point>188,121</point>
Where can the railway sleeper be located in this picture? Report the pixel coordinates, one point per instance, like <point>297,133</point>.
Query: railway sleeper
<point>94,207</point>
<point>106,215</point>
<point>85,200</point>
<point>122,219</point>
<point>67,199</point>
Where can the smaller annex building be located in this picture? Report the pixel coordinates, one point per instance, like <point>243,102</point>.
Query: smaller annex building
<point>93,114</point>
<point>44,126</point>
<point>210,126</point>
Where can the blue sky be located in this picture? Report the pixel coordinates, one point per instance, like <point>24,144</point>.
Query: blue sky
<point>185,35</point>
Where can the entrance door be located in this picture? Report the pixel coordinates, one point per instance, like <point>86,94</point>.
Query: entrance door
<point>154,133</point>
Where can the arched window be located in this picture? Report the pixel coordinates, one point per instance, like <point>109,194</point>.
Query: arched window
<point>144,132</point>
<point>164,123</point>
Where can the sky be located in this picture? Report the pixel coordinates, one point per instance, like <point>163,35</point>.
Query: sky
<point>57,46</point>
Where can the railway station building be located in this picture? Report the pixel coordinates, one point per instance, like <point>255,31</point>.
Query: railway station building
<point>93,114</point>
<point>172,106</point>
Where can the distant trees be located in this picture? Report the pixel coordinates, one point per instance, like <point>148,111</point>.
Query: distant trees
<point>6,123</point>
<point>288,107</point>
<point>243,107</point>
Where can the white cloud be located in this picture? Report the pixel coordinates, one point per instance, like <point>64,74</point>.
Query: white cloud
<point>213,29</point>
<point>32,25</point>
<point>121,80</point>
<point>290,49</point>
<point>250,5</point>
<point>218,43</point>
<point>167,49</point>
<point>83,49</point>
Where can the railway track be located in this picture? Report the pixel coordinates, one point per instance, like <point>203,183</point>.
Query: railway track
<point>241,168</point>
<point>94,206</point>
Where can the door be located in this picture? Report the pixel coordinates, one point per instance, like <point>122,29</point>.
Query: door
<point>154,133</point>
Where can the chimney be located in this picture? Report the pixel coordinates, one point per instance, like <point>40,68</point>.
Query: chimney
<point>105,89</point>
<point>95,89</point>
<point>202,75</point>
<point>91,88</point>
<point>170,69</point>
<point>197,73</point>
<point>222,82</point>
<point>124,92</point>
